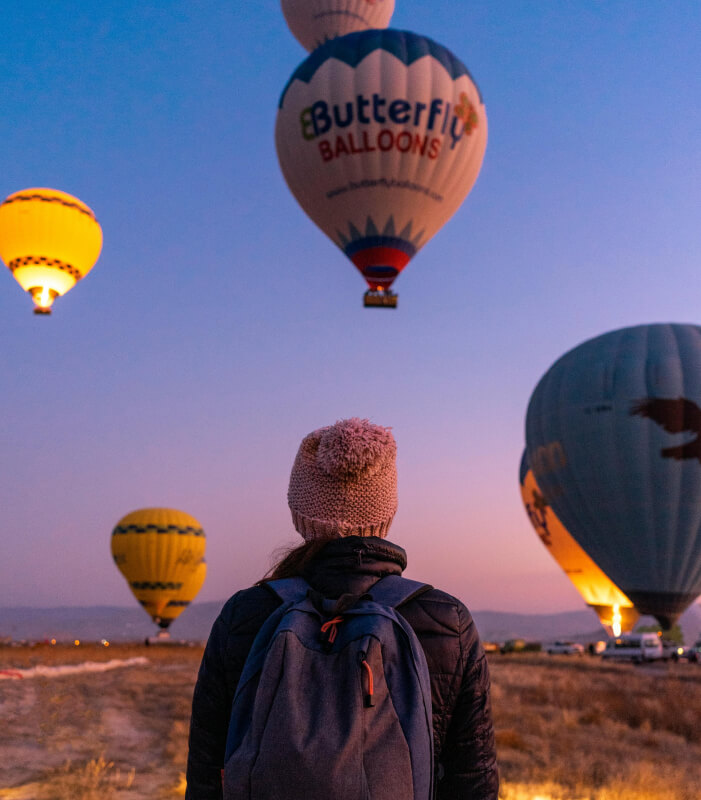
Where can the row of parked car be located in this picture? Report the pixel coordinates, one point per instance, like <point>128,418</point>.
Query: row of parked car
<point>636,647</point>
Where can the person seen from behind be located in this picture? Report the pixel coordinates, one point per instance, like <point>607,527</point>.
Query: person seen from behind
<point>334,678</point>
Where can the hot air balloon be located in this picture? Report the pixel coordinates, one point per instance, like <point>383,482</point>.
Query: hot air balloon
<point>49,240</point>
<point>182,598</point>
<point>158,550</point>
<point>313,22</point>
<point>613,433</point>
<point>615,611</point>
<point>380,136</point>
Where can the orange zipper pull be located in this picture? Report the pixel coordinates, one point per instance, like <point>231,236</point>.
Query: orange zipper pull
<point>330,627</point>
<point>369,700</point>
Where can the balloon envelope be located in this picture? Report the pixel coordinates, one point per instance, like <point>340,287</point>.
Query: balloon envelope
<point>380,136</point>
<point>49,240</point>
<point>313,22</point>
<point>158,550</point>
<point>612,434</point>
<point>615,611</point>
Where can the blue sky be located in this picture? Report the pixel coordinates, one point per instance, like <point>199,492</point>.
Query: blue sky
<point>220,325</point>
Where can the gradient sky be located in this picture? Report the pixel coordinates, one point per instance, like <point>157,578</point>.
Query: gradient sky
<point>220,325</point>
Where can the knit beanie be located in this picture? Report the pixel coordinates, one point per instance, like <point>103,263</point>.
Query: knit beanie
<point>344,481</point>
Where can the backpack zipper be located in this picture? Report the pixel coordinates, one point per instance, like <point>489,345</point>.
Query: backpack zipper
<point>368,699</point>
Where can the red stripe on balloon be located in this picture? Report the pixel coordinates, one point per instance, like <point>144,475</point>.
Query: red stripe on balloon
<point>380,257</point>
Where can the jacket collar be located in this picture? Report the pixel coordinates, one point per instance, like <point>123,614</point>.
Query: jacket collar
<point>353,564</point>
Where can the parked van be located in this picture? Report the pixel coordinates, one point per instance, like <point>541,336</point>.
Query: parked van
<point>637,647</point>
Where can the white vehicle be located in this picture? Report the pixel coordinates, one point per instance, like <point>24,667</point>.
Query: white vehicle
<point>636,647</point>
<point>565,649</point>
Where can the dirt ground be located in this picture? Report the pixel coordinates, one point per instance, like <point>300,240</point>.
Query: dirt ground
<point>111,734</point>
<point>568,728</point>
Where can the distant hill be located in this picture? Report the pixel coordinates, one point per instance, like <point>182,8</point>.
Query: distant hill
<point>116,623</point>
<point>93,623</point>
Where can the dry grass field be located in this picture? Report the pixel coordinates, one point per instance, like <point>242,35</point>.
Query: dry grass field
<point>568,728</point>
<point>576,728</point>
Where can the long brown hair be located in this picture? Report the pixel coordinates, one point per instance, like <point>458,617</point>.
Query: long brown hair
<point>291,561</point>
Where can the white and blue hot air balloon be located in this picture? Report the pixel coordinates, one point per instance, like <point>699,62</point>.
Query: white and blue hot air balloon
<point>314,22</point>
<point>380,136</point>
<point>613,434</point>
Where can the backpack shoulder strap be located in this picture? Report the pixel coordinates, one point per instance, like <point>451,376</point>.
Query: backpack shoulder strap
<point>394,591</point>
<point>289,590</point>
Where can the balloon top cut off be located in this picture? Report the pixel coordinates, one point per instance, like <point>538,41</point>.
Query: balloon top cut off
<point>314,22</point>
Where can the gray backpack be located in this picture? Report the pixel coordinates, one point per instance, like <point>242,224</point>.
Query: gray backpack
<point>334,701</point>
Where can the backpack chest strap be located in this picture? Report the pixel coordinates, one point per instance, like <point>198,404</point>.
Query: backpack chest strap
<point>394,591</point>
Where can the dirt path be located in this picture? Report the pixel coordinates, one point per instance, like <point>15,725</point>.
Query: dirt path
<point>98,734</point>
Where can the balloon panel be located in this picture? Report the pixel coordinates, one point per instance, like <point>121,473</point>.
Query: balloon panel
<point>589,580</point>
<point>380,136</point>
<point>313,22</point>
<point>612,434</point>
<point>181,599</point>
<point>157,550</point>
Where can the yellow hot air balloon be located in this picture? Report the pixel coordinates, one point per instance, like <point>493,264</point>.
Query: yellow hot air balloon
<point>49,240</point>
<point>158,550</point>
<point>182,599</point>
<point>615,611</point>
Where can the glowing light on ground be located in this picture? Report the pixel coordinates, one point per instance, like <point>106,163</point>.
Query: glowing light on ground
<point>524,791</point>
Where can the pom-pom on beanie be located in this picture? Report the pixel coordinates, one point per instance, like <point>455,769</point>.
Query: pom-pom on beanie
<point>344,481</point>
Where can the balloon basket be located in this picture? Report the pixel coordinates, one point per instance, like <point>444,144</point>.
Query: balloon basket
<point>44,312</point>
<point>379,299</point>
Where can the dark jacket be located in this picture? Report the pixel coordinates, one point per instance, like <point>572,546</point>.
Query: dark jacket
<point>462,721</point>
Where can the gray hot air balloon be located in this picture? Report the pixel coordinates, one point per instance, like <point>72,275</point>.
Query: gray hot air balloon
<point>613,434</point>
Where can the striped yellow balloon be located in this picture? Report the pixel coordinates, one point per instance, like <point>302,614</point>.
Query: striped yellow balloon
<point>615,611</point>
<point>182,599</point>
<point>49,240</point>
<point>158,550</point>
